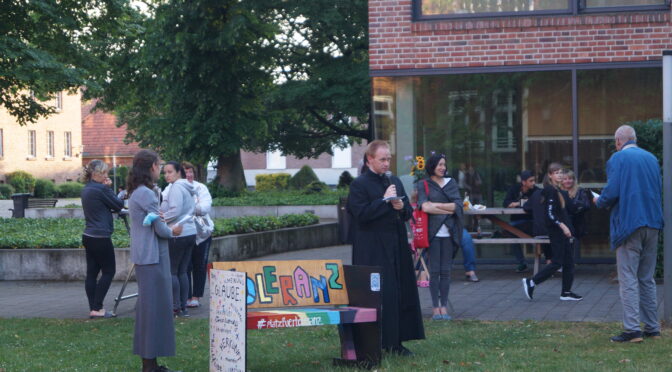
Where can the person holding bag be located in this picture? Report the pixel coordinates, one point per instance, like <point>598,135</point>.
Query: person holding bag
<point>439,197</point>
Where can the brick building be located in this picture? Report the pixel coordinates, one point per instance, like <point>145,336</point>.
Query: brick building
<point>500,86</point>
<point>103,140</point>
<point>50,148</point>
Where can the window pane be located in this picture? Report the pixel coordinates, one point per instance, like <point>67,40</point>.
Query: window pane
<point>434,7</point>
<point>68,144</point>
<point>608,3</point>
<point>50,144</point>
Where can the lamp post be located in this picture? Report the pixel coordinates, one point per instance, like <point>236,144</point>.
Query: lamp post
<point>667,185</point>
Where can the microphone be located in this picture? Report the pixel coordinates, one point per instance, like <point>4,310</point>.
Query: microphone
<point>386,180</point>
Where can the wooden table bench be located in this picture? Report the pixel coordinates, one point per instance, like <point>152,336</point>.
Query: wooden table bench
<point>493,214</point>
<point>288,294</point>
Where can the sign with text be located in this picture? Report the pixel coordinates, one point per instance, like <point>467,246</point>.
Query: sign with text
<point>291,283</point>
<point>227,321</point>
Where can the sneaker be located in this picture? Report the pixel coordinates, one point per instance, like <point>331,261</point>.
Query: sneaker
<point>472,278</point>
<point>527,288</point>
<point>635,336</point>
<point>193,303</point>
<point>653,335</point>
<point>521,268</point>
<point>570,296</point>
<point>184,313</point>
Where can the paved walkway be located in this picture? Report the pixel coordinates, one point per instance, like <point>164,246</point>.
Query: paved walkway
<point>498,296</point>
<point>5,205</point>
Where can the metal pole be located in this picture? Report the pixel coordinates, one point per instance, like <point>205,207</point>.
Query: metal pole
<point>114,173</point>
<point>667,186</point>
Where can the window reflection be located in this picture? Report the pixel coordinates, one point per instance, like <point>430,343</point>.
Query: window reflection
<point>433,7</point>
<point>612,3</point>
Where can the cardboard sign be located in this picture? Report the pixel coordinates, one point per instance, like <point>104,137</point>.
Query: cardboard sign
<point>291,283</point>
<point>227,321</point>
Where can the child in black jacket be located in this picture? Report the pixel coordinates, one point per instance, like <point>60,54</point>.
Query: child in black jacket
<point>557,209</point>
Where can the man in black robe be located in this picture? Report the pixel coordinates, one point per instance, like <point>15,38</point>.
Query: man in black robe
<point>380,239</point>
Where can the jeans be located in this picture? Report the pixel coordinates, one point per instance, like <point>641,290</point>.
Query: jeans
<point>99,257</point>
<point>199,267</point>
<point>180,254</point>
<point>440,262</point>
<point>636,262</point>
<point>468,251</point>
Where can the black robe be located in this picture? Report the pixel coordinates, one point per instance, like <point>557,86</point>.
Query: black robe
<point>380,239</point>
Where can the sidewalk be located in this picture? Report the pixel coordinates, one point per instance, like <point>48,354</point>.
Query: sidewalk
<point>498,296</point>
<point>5,205</point>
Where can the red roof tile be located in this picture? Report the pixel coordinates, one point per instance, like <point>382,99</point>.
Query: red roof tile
<point>101,136</point>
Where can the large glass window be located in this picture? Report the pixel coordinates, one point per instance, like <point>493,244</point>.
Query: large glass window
<point>436,7</point>
<point>621,3</point>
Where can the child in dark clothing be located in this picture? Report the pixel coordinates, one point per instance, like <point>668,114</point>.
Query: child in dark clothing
<point>557,207</point>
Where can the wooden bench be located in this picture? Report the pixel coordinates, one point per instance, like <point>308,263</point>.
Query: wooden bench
<point>537,241</point>
<point>41,203</point>
<point>288,294</point>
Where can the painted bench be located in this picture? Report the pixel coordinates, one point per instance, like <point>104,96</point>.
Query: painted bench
<point>257,295</point>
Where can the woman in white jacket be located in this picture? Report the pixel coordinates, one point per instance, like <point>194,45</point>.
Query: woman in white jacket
<point>178,209</point>
<point>197,271</point>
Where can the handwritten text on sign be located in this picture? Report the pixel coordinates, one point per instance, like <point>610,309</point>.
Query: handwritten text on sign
<point>291,283</point>
<point>227,321</point>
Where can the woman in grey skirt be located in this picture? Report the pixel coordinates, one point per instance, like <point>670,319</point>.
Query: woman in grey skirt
<point>154,329</point>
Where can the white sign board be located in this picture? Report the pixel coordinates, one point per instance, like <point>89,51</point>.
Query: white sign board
<point>227,321</point>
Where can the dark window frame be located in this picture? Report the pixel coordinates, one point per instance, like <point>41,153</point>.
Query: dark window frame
<point>574,7</point>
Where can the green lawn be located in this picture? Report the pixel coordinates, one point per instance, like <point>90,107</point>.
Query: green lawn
<point>104,345</point>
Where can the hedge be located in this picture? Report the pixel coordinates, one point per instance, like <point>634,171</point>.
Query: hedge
<point>22,182</point>
<point>272,182</point>
<point>6,191</point>
<point>44,188</point>
<point>21,233</point>
<point>70,190</point>
<point>281,198</point>
<point>304,177</point>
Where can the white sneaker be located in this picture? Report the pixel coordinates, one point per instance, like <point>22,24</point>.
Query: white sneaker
<point>193,303</point>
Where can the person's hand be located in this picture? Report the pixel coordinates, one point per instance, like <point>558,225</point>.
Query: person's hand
<point>177,230</point>
<point>565,230</point>
<point>391,191</point>
<point>107,181</point>
<point>595,200</point>
<point>513,205</point>
<point>397,204</point>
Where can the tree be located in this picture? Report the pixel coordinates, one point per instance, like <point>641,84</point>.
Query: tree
<point>50,46</point>
<point>322,61</point>
<point>191,82</point>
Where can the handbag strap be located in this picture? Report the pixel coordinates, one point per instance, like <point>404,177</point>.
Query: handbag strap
<point>426,189</point>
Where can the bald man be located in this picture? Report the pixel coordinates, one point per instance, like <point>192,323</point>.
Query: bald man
<point>633,193</point>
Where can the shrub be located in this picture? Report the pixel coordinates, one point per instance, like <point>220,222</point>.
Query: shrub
<point>219,191</point>
<point>345,180</point>
<point>70,190</point>
<point>44,188</point>
<point>21,181</point>
<point>315,187</point>
<point>288,197</point>
<point>6,191</point>
<point>304,177</point>
<point>272,182</point>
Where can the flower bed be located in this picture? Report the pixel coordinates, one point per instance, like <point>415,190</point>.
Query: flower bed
<point>18,233</point>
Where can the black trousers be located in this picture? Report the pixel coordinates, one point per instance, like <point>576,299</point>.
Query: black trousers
<point>563,256</point>
<point>199,268</point>
<point>180,255</point>
<point>99,258</point>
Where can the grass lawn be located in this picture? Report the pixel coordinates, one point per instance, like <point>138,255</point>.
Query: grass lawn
<point>105,345</point>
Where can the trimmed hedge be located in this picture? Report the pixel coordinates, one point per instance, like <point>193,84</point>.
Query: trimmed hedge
<point>70,190</point>
<point>44,188</point>
<point>272,182</point>
<point>281,198</point>
<point>21,233</point>
<point>22,182</point>
<point>6,191</point>
<point>304,177</point>
<point>345,180</point>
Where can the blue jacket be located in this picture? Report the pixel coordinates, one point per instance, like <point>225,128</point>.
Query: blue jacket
<point>98,202</point>
<point>633,192</point>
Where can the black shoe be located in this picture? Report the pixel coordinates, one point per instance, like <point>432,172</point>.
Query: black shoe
<point>163,369</point>
<point>635,336</point>
<point>653,335</point>
<point>521,268</point>
<point>184,313</point>
<point>570,296</point>
<point>399,350</point>
<point>529,290</point>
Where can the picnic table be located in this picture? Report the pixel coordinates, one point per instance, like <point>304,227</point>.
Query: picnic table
<point>493,215</point>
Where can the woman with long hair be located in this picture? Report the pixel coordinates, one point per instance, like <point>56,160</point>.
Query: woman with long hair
<point>439,197</point>
<point>154,329</point>
<point>98,203</point>
<point>581,201</point>
<point>178,209</point>
<point>561,235</point>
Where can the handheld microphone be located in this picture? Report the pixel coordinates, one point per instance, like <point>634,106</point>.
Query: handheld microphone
<point>386,180</point>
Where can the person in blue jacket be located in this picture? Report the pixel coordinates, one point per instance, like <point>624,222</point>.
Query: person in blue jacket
<point>633,193</point>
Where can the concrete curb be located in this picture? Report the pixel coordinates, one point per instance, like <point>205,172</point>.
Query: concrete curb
<point>70,263</point>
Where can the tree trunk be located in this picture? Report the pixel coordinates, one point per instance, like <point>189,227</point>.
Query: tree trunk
<point>230,172</point>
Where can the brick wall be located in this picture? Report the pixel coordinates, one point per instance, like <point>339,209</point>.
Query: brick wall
<point>396,42</point>
<point>16,143</point>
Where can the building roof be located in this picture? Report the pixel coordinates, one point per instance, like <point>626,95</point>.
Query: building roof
<point>101,136</point>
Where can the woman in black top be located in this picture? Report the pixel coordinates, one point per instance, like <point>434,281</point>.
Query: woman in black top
<point>560,233</point>
<point>98,203</point>
<point>439,197</point>
<point>581,202</point>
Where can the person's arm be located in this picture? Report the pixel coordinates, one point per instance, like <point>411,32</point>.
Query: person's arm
<point>510,200</point>
<point>425,204</point>
<point>110,200</point>
<point>204,203</point>
<point>363,209</point>
<point>551,197</point>
<point>174,203</point>
<point>148,204</point>
<point>611,191</point>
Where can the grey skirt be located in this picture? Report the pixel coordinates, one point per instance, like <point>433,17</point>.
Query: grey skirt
<point>154,328</point>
